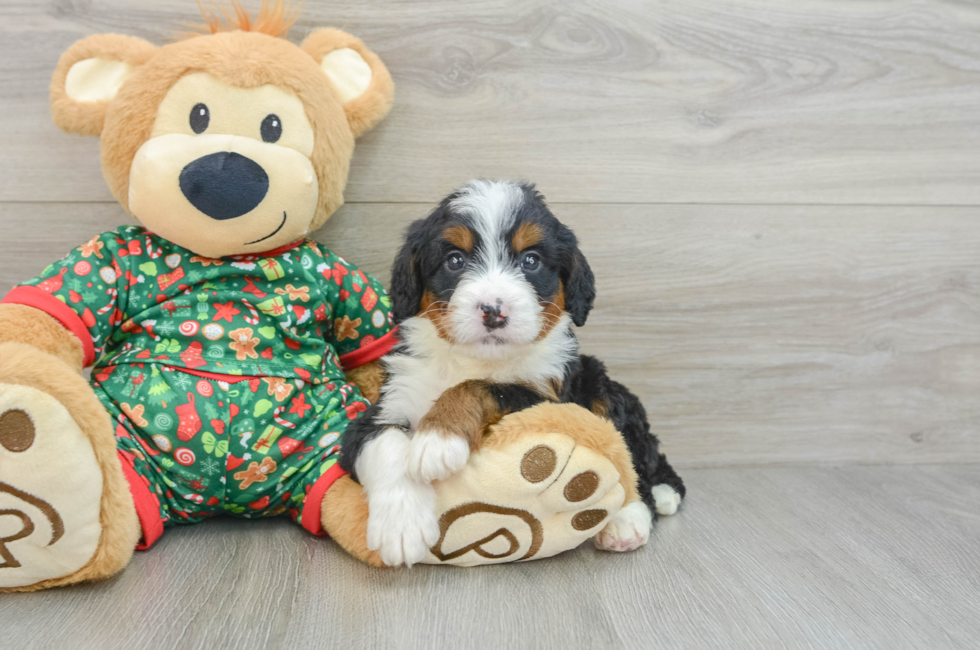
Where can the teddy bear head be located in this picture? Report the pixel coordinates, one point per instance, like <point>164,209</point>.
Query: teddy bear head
<point>233,141</point>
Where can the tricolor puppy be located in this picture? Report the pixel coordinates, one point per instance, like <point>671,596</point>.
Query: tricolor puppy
<point>486,290</point>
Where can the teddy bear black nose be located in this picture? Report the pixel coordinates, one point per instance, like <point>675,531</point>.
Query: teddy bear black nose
<point>224,185</point>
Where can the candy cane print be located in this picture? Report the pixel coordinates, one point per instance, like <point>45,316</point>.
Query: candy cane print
<point>112,293</point>
<point>279,420</point>
<point>254,318</point>
<point>154,253</point>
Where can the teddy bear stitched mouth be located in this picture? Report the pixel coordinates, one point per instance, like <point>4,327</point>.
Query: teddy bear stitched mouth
<point>281,224</point>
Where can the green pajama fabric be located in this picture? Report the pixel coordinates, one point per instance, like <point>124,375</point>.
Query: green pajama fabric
<point>252,448</point>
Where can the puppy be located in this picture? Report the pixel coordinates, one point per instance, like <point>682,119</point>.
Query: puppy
<point>485,291</point>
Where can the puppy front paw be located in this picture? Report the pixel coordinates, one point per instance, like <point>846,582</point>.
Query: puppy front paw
<point>402,524</point>
<point>434,456</point>
<point>627,531</point>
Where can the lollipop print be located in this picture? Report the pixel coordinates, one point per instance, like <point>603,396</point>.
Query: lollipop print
<point>205,389</point>
<point>189,328</point>
<point>184,456</point>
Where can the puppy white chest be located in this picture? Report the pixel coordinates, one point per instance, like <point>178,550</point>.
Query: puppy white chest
<point>417,379</point>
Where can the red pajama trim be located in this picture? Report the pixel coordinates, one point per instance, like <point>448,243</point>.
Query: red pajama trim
<point>147,504</point>
<point>312,519</point>
<point>228,379</point>
<point>369,353</point>
<point>31,296</point>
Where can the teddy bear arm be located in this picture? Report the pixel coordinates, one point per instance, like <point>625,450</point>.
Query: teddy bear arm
<point>23,324</point>
<point>368,379</point>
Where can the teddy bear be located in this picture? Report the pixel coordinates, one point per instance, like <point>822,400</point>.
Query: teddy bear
<point>229,350</point>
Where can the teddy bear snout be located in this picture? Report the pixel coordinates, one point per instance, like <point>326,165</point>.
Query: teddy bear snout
<point>224,185</point>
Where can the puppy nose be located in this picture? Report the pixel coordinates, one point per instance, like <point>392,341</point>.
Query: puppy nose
<point>224,185</point>
<point>492,318</point>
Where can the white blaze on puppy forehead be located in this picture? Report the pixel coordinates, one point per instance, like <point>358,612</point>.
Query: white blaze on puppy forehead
<point>492,206</point>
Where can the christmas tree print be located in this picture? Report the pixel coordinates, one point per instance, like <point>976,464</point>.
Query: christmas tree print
<point>159,387</point>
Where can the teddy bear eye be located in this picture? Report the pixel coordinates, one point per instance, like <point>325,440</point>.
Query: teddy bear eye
<point>271,128</point>
<point>200,118</point>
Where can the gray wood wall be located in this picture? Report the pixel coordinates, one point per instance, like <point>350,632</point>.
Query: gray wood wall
<point>780,199</point>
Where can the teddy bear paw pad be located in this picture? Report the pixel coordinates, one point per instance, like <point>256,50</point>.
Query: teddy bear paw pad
<point>50,489</point>
<point>528,500</point>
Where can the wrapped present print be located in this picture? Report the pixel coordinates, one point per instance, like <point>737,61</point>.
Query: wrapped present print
<point>167,279</point>
<point>272,306</point>
<point>369,298</point>
<point>267,439</point>
<point>272,268</point>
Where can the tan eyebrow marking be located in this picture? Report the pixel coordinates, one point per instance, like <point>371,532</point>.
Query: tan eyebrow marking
<point>460,237</point>
<point>528,234</point>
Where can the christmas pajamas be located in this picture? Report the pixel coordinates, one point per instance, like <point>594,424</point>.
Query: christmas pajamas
<point>224,377</point>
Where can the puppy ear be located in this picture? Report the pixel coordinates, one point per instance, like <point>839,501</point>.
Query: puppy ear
<point>578,281</point>
<point>360,78</point>
<point>88,76</point>
<point>406,274</point>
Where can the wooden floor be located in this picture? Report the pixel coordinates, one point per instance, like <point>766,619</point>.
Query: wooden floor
<point>781,201</point>
<point>759,558</point>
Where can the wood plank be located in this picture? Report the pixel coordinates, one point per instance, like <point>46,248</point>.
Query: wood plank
<point>815,101</point>
<point>814,557</point>
<point>753,334</point>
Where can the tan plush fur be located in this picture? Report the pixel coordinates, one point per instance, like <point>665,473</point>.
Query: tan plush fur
<point>88,118</point>
<point>36,351</point>
<point>368,379</point>
<point>27,366</point>
<point>366,111</point>
<point>242,59</point>
<point>344,515</point>
<point>22,324</point>
<point>236,58</point>
<point>583,427</point>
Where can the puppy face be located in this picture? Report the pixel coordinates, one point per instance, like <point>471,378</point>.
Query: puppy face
<point>493,269</point>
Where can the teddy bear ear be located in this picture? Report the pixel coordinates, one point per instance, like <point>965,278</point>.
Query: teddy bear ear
<point>357,74</point>
<point>88,76</point>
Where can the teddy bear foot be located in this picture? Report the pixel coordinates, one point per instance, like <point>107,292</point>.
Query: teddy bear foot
<point>53,490</point>
<point>50,492</point>
<point>539,486</point>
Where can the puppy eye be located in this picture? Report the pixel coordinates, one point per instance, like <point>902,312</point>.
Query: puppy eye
<point>200,118</point>
<point>455,262</point>
<point>531,262</point>
<point>271,128</point>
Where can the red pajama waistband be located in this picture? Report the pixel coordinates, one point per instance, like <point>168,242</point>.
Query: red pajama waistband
<point>31,296</point>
